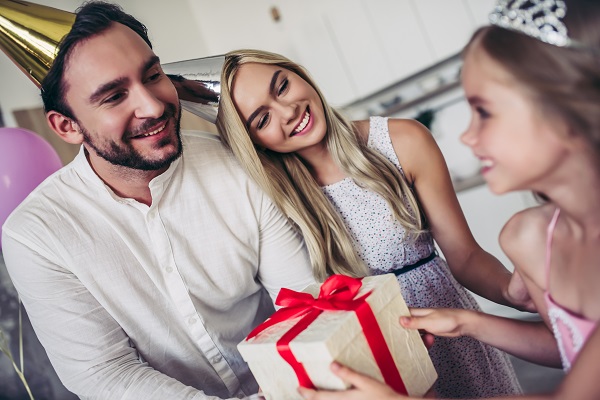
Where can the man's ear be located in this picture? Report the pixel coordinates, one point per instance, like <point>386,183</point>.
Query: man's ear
<point>65,127</point>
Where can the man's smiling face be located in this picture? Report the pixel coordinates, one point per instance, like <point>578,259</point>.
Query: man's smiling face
<point>126,108</point>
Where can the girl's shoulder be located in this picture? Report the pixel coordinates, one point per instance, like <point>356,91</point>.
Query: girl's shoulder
<point>529,223</point>
<point>523,237</point>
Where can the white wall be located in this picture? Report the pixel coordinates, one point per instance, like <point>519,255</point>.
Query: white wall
<point>171,26</point>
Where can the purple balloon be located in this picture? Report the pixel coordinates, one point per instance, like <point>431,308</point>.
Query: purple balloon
<point>26,159</point>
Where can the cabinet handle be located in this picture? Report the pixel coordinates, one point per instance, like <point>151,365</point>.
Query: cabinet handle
<point>275,14</point>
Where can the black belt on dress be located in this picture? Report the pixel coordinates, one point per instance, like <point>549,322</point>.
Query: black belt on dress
<point>410,267</point>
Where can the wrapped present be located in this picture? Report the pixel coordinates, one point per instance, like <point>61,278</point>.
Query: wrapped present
<point>352,321</point>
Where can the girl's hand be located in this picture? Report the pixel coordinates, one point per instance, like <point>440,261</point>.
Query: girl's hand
<point>365,388</point>
<point>438,321</point>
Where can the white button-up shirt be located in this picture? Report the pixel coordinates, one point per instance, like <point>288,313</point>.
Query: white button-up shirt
<point>138,302</point>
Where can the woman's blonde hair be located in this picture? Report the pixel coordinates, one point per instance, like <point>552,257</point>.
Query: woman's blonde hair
<point>287,180</point>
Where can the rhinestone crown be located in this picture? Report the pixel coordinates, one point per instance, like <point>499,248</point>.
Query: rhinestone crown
<point>541,19</point>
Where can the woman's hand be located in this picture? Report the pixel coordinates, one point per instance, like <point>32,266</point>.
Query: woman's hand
<point>365,388</point>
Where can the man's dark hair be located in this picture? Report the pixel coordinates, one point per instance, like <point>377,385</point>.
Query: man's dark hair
<point>91,19</point>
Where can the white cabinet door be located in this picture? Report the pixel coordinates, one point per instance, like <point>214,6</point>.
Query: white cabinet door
<point>399,37</point>
<point>302,33</point>
<point>358,47</point>
<point>480,10</point>
<point>447,25</point>
<point>310,32</point>
<point>353,48</point>
<point>233,24</point>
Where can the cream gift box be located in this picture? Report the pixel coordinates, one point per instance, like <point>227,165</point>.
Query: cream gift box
<point>383,349</point>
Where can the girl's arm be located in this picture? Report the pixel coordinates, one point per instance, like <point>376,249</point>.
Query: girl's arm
<point>531,341</point>
<point>424,166</point>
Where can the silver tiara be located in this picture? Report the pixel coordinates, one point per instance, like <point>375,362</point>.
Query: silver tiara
<point>541,19</point>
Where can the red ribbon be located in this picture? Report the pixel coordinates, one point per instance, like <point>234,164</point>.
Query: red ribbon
<point>337,294</point>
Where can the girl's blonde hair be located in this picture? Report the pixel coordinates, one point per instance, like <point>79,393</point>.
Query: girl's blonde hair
<point>286,179</point>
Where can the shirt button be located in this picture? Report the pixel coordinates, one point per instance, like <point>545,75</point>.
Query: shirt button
<point>216,359</point>
<point>169,269</point>
<point>192,321</point>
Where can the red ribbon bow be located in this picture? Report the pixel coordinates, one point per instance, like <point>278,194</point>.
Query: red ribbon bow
<point>337,294</point>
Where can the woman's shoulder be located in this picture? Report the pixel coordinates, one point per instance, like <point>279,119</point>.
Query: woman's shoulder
<point>413,145</point>
<point>410,136</point>
<point>400,130</point>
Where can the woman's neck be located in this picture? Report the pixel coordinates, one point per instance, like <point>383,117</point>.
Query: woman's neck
<point>322,166</point>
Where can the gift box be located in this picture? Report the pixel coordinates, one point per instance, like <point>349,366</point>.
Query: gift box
<point>352,321</point>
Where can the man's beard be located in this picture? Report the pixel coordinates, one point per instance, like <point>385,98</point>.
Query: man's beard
<point>123,154</point>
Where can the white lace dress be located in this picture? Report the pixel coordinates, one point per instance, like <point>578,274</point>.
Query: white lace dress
<point>466,367</point>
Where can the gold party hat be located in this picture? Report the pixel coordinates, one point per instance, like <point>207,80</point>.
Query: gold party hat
<point>30,33</point>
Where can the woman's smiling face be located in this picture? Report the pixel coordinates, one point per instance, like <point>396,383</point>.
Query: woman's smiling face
<point>282,111</point>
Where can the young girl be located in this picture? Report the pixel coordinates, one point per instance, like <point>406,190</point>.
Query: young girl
<point>535,96</point>
<point>369,197</point>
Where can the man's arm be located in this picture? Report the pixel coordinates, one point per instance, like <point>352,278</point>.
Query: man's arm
<point>284,260</point>
<point>89,350</point>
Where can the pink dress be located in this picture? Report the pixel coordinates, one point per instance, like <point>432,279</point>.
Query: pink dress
<point>570,329</point>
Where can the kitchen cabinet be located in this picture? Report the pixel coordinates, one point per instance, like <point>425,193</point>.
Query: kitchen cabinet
<point>352,47</point>
<point>314,34</point>
<point>449,123</point>
<point>351,30</point>
<point>480,10</point>
<point>297,30</point>
<point>399,36</point>
<point>447,24</point>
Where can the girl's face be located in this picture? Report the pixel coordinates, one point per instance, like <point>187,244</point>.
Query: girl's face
<point>282,112</point>
<point>519,148</point>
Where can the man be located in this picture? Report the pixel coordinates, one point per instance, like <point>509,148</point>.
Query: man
<point>148,258</point>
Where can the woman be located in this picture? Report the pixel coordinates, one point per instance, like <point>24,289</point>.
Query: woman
<point>367,196</point>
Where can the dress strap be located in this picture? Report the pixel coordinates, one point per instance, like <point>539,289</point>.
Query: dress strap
<point>549,235</point>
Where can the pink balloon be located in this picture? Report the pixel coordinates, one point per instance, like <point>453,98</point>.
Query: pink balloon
<point>26,159</point>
